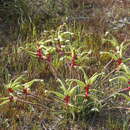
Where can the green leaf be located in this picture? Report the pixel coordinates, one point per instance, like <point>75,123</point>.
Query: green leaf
<point>85,53</point>
<point>18,79</point>
<point>17,87</point>
<point>112,55</point>
<point>94,110</point>
<point>30,53</point>
<point>47,41</point>
<point>120,78</point>
<point>79,82</point>
<point>121,49</point>
<point>85,76</point>
<point>29,84</point>
<point>127,70</point>
<point>4,102</point>
<point>63,58</point>
<point>125,96</point>
<point>57,94</point>
<point>62,86</point>
<point>94,77</point>
<point>81,59</point>
<point>114,42</point>
<point>4,98</point>
<point>69,83</point>
<point>126,60</point>
<point>72,90</point>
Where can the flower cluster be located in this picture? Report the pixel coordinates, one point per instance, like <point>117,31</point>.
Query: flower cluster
<point>87,90</point>
<point>67,99</point>
<point>42,57</point>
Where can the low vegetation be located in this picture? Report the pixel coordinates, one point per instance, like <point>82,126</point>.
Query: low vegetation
<point>64,75</point>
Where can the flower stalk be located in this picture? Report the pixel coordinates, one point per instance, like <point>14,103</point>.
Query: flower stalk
<point>67,99</point>
<point>87,90</point>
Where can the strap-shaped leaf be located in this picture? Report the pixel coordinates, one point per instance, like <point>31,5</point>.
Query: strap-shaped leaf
<point>70,92</point>
<point>112,55</point>
<point>62,86</point>
<point>18,79</point>
<point>29,84</point>
<point>9,85</point>
<point>85,76</point>
<point>121,49</point>
<point>69,84</point>
<point>79,82</point>
<point>94,77</point>
<point>31,53</point>
<point>4,102</point>
<point>57,94</point>
<point>125,96</point>
<point>47,41</point>
<point>83,58</point>
<point>127,70</point>
<point>15,85</point>
<point>85,53</point>
<point>95,109</point>
<point>114,42</point>
<point>16,82</point>
<point>126,60</point>
<point>4,98</point>
<point>123,78</point>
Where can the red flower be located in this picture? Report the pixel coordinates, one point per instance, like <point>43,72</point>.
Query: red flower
<point>11,98</point>
<point>25,91</point>
<point>67,99</point>
<point>119,61</point>
<point>74,57</point>
<point>126,89</point>
<point>72,64</point>
<point>87,90</point>
<point>39,53</point>
<point>10,90</point>
<point>73,61</point>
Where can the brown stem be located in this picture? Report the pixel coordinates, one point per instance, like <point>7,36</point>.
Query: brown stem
<point>109,97</point>
<point>53,70</point>
<point>28,95</point>
<point>27,102</point>
<point>108,75</point>
<point>34,104</point>
<point>126,108</point>
<point>108,64</point>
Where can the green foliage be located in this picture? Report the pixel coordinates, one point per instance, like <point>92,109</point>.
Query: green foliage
<point>16,87</point>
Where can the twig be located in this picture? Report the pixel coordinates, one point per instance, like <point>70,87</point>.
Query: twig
<point>35,104</point>
<point>126,108</point>
<point>108,64</point>
<point>120,91</point>
<point>109,74</point>
<point>53,70</point>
